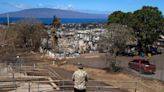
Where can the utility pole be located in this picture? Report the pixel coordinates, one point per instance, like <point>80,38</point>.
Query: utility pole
<point>29,86</point>
<point>13,76</point>
<point>8,20</point>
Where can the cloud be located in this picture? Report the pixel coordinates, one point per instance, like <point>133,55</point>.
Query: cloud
<point>19,6</point>
<point>63,7</point>
<point>40,5</point>
<point>70,6</point>
<point>14,5</point>
<point>95,11</point>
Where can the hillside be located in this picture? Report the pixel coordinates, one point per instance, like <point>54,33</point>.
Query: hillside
<point>49,13</point>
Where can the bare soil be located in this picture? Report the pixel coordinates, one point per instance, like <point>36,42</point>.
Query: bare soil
<point>94,65</point>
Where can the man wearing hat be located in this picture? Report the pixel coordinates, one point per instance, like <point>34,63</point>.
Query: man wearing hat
<point>80,78</point>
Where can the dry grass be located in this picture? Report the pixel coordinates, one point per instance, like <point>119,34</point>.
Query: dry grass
<point>121,80</point>
<point>117,80</point>
<point>89,56</point>
<point>102,75</point>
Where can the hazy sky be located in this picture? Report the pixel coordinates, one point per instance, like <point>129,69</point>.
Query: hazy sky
<point>96,6</point>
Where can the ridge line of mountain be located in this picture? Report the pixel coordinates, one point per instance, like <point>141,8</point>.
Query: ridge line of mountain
<point>49,13</point>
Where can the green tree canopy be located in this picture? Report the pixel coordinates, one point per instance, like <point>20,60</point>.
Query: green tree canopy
<point>120,17</point>
<point>146,22</point>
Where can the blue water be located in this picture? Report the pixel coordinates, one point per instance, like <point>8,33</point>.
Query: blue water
<point>63,20</point>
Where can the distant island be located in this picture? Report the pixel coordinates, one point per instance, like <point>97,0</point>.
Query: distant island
<point>49,13</point>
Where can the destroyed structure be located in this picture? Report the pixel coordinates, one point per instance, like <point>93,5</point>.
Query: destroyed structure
<point>75,39</point>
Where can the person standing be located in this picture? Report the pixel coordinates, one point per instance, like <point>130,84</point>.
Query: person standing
<point>80,78</point>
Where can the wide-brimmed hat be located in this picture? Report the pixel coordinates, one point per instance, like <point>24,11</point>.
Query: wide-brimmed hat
<point>80,66</point>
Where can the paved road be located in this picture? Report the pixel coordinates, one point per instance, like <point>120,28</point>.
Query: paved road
<point>100,62</point>
<point>158,75</point>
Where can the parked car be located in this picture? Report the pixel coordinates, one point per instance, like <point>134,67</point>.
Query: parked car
<point>142,65</point>
<point>130,50</point>
<point>154,50</point>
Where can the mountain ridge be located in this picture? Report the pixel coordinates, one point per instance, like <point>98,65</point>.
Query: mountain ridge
<point>49,13</point>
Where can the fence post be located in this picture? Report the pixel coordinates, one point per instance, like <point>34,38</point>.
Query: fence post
<point>13,77</point>
<point>21,67</point>
<point>63,86</point>
<point>34,66</point>
<point>135,89</point>
<point>29,86</point>
<point>54,62</point>
<point>98,89</point>
<point>38,85</point>
<point>15,87</point>
<point>1,70</point>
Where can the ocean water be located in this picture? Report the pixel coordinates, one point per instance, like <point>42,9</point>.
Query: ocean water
<point>63,20</point>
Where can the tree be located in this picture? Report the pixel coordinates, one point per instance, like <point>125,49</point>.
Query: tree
<point>162,25</point>
<point>54,38</point>
<point>28,33</point>
<point>120,18</point>
<point>56,24</point>
<point>116,38</point>
<point>146,22</point>
<point>116,17</point>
